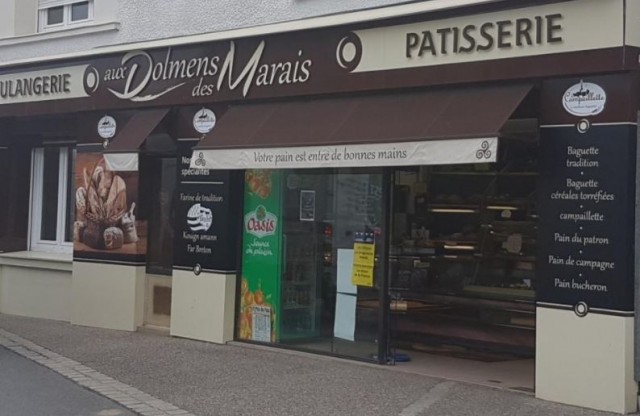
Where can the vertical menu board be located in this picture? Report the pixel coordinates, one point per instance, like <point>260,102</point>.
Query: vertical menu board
<point>586,206</point>
<point>261,256</point>
<point>206,234</point>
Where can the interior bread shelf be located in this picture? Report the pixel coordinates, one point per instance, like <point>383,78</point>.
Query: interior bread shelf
<point>480,173</point>
<point>501,291</point>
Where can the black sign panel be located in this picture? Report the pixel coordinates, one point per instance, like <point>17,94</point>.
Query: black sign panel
<point>206,232</point>
<point>586,206</point>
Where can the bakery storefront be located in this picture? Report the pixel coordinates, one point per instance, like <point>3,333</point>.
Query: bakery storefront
<point>457,183</point>
<point>411,206</point>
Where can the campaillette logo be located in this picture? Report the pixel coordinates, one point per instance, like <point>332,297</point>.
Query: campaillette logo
<point>107,127</point>
<point>204,121</point>
<point>584,99</point>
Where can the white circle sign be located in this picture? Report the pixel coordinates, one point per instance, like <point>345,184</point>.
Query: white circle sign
<point>199,218</point>
<point>107,127</point>
<point>584,99</point>
<point>204,121</point>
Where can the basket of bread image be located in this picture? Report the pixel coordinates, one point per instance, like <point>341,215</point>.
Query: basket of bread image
<point>103,218</point>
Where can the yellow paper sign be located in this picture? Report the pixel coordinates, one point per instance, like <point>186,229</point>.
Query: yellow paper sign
<point>362,276</point>
<point>363,261</point>
<point>363,254</point>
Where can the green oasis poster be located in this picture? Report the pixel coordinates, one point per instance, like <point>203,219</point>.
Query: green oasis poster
<point>261,256</point>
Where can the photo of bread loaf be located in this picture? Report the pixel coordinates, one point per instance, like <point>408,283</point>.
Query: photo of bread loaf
<point>105,216</point>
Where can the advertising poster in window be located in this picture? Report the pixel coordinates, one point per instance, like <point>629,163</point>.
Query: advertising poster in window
<point>307,205</point>
<point>261,256</point>
<point>106,225</point>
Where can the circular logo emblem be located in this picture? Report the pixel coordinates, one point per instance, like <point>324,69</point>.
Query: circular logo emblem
<point>91,80</point>
<point>204,121</point>
<point>199,218</point>
<point>107,127</point>
<point>581,309</point>
<point>583,126</point>
<point>584,99</point>
<point>349,52</point>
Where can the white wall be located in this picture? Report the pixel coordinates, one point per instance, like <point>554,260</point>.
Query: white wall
<point>38,286</point>
<point>141,20</point>
<point>107,295</point>
<point>7,18</point>
<point>203,307</point>
<point>199,16</point>
<point>587,361</point>
<point>25,17</point>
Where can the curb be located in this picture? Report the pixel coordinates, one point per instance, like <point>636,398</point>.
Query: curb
<point>125,395</point>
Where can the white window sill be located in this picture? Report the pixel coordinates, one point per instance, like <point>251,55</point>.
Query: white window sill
<point>37,260</point>
<point>80,30</point>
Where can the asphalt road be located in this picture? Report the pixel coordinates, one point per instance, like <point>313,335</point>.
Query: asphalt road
<point>28,389</point>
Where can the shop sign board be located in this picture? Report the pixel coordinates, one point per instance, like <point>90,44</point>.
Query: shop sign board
<point>536,30</point>
<point>587,208</point>
<point>429,152</point>
<point>261,256</point>
<point>335,59</point>
<point>44,85</point>
<point>204,209</point>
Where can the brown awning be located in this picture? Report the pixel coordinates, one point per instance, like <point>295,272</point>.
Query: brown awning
<point>136,130</point>
<point>398,117</point>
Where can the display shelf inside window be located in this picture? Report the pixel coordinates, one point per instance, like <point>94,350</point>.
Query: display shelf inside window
<point>478,241</point>
<point>300,306</point>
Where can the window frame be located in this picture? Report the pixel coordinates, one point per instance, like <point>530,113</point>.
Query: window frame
<point>67,6</point>
<point>36,243</point>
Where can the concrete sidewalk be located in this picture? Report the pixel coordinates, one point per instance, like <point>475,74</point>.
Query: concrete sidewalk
<point>206,379</point>
<point>27,388</point>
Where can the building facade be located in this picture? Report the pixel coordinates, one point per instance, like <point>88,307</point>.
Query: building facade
<point>26,33</point>
<point>444,177</point>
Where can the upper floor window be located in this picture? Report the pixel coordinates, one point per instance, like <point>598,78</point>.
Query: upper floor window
<point>59,14</point>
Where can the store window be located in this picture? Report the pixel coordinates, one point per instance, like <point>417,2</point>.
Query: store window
<point>302,284</point>
<point>462,256</point>
<point>52,199</point>
<point>59,14</point>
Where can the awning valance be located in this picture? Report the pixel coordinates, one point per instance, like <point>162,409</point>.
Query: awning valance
<point>415,128</point>
<point>121,154</point>
<point>136,131</point>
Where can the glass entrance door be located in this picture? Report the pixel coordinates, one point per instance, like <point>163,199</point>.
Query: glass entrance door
<point>330,219</point>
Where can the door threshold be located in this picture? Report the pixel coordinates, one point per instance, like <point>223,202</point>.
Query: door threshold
<point>148,328</point>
